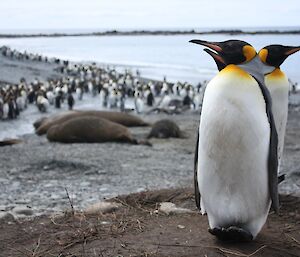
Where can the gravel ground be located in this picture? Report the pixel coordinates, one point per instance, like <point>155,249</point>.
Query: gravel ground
<point>37,173</point>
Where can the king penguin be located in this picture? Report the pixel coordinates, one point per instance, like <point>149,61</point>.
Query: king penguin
<point>278,86</point>
<point>236,159</point>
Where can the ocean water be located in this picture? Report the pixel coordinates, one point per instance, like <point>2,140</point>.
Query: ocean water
<point>155,56</point>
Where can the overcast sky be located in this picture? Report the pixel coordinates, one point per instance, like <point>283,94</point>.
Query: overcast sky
<point>122,14</point>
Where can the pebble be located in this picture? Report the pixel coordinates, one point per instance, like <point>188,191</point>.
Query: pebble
<point>105,222</point>
<point>85,184</point>
<point>6,216</point>
<point>90,172</point>
<point>103,189</point>
<point>102,207</point>
<point>170,208</point>
<point>49,185</point>
<point>55,196</point>
<point>22,210</point>
<point>22,201</point>
<point>15,184</point>
<point>46,167</point>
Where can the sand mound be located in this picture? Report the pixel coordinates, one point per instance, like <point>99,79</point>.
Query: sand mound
<point>138,228</point>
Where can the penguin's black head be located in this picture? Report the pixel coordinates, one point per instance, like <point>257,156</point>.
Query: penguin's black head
<point>231,51</point>
<point>275,55</point>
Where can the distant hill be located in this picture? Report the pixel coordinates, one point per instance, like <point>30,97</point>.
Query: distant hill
<point>156,32</point>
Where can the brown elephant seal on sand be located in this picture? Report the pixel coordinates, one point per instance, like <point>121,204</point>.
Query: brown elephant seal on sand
<point>125,119</point>
<point>91,129</point>
<point>39,122</point>
<point>164,129</point>
<point>7,142</point>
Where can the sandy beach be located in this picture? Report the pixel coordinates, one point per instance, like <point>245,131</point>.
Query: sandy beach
<point>39,179</point>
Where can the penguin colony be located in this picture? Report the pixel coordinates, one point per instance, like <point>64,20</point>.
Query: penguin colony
<point>241,137</point>
<point>112,88</point>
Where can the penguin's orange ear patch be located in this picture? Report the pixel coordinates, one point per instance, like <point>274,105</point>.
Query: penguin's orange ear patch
<point>249,52</point>
<point>263,54</point>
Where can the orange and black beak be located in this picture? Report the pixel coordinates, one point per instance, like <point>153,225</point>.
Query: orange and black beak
<point>291,50</point>
<point>216,46</point>
<point>217,58</point>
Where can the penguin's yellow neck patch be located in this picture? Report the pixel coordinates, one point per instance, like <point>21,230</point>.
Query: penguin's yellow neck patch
<point>263,54</point>
<point>235,71</point>
<point>276,74</point>
<point>249,52</point>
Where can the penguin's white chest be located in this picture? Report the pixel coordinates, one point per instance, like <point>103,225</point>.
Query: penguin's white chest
<point>278,87</point>
<point>234,137</point>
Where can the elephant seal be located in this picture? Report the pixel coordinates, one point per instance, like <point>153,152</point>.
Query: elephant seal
<point>7,142</point>
<point>90,129</point>
<point>124,119</point>
<point>39,122</point>
<point>164,129</point>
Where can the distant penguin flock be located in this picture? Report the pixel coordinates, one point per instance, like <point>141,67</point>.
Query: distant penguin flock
<point>74,81</point>
<point>240,138</point>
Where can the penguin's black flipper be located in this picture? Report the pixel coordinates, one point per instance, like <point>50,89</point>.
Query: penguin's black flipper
<point>196,187</point>
<point>273,155</point>
<point>273,165</point>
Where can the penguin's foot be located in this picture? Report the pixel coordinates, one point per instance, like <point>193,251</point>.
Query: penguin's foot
<point>232,233</point>
<point>203,212</point>
<point>202,208</point>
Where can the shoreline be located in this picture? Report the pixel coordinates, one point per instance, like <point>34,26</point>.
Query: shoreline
<point>157,32</point>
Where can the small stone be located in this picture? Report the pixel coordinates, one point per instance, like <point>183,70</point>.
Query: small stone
<point>105,223</point>
<point>22,210</point>
<point>85,184</point>
<point>22,201</point>
<point>102,207</point>
<point>2,208</point>
<point>55,196</point>
<point>170,208</point>
<point>49,185</point>
<point>180,226</point>
<point>6,217</point>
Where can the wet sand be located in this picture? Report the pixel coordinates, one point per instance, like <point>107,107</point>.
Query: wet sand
<point>13,70</point>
